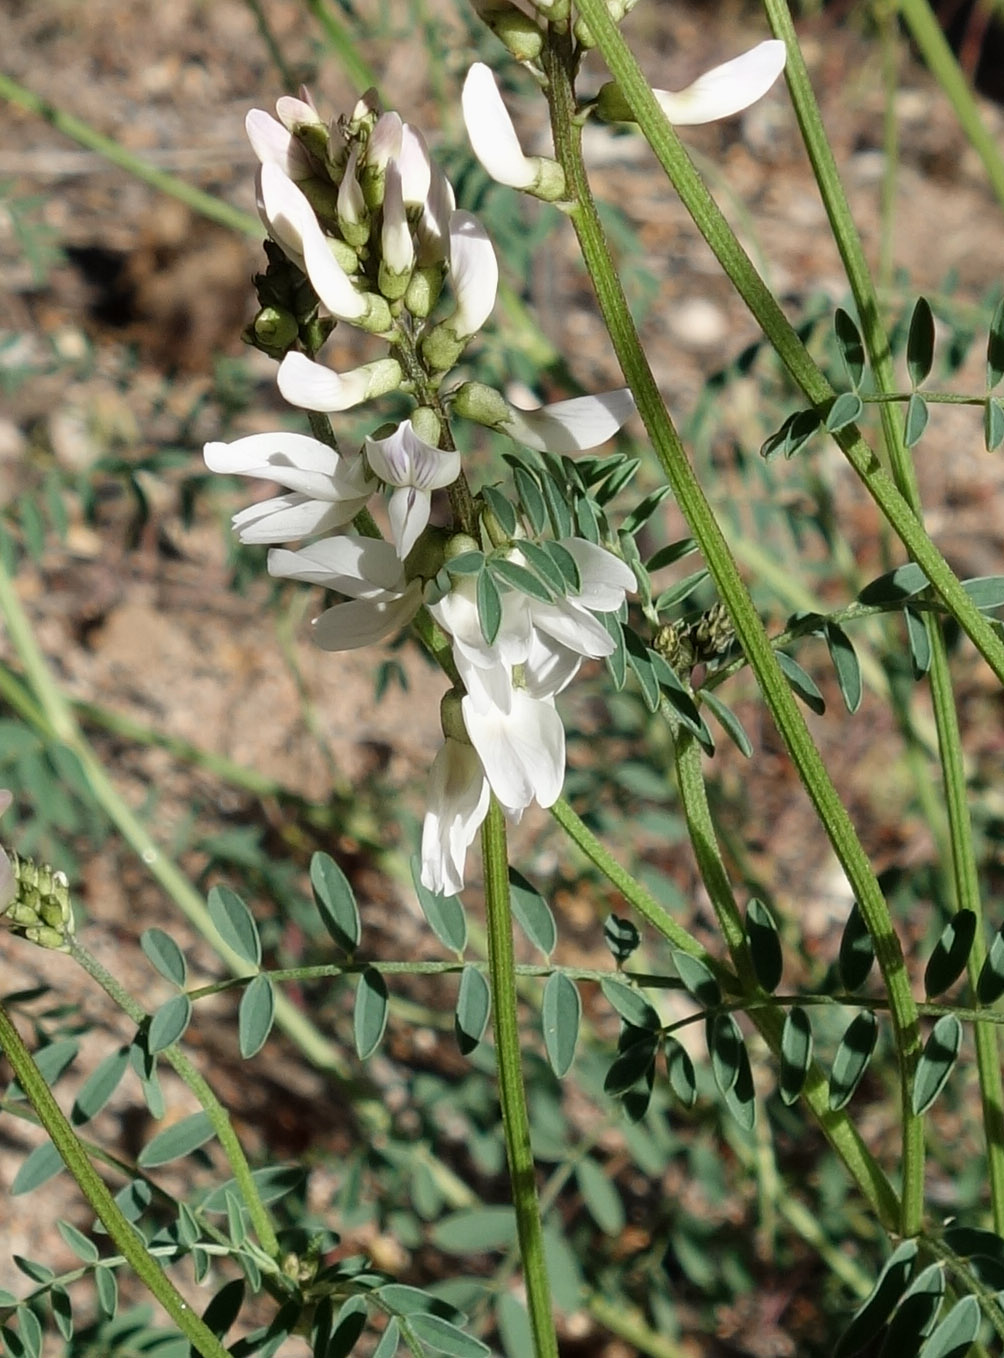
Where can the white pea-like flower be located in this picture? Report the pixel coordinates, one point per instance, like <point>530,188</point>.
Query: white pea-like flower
<point>313,386</point>
<point>725,89</point>
<point>414,469</point>
<point>457,803</point>
<point>326,490</point>
<point>474,275</point>
<point>495,143</point>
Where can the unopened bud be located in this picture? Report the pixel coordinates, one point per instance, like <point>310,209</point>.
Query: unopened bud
<point>424,289</point>
<point>40,908</point>
<point>520,33</point>
<point>426,425</point>
<point>275,329</point>
<point>481,403</point>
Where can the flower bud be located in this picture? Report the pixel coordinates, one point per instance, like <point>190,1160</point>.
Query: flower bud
<point>353,215</point>
<point>424,289</point>
<point>452,718</point>
<point>275,329</point>
<point>40,908</point>
<point>481,403</point>
<point>520,33</point>
<point>426,425</point>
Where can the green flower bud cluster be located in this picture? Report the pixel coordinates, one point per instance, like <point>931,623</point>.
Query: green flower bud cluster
<point>288,314</point>
<point>684,645</point>
<point>40,910</point>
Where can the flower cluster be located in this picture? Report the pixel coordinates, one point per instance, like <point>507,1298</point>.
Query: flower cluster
<point>364,229</point>
<point>34,900</point>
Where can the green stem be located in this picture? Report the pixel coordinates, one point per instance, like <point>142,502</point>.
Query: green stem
<point>633,892</point>
<point>927,33</point>
<point>703,525</point>
<point>736,263</point>
<point>128,1243</point>
<point>340,40</point>
<point>211,1106</point>
<point>962,848</point>
<point>199,201</point>
<point>512,1095</point>
<point>62,721</point>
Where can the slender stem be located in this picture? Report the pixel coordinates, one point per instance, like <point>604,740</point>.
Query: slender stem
<point>197,199</point>
<point>632,890</point>
<point>340,41</point>
<point>214,1110</point>
<point>512,1095</point>
<point>62,721</point>
<point>927,33</point>
<point>961,846</point>
<point>721,564</point>
<point>128,1243</point>
<point>737,265</point>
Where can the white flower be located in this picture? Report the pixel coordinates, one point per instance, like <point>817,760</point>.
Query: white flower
<point>327,490</point>
<point>570,426</point>
<point>522,750</point>
<point>432,232</point>
<point>312,386</point>
<point>291,220</point>
<point>457,804</point>
<point>352,210</point>
<point>369,572</point>
<point>725,89</point>
<point>495,143</point>
<point>474,274</point>
<point>274,145</point>
<point>415,468</point>
<point>395,236</point>
<point>385,141</point>
<point>416,167</point>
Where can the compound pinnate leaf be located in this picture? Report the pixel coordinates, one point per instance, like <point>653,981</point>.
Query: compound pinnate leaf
<point>43,1164</point>
<point>680,1070</point>
<point>917,416</point>
<point>725,1043</point>
<point>489,604</point>
<point>369,1019</point>
<point>532,913</point>
<point>920,342</point>
<point>957,1332</point>
<point>560,1015</point>
<point>697,979</point>
<point>633,1064</point>
<point>168,1023</point>
<point>336,902</point>
<point>164,954</point>
<point>856,951</point>
<point>951,953</point>
<point>444,914</point>
<point>99,1086</point>
<point>107,1289</point>
<point>764,943</point>
<point>729,722</point>
<point>81,1246</point>
<point>474,1004</point>
<point>845,410</point>
<point>235,924</point>
<point>851,346</point>
<point>941,1051</point>
<point>621,936</point>
<point>802,684</point>
<point>993,423</point>
<point>846,665</point>
<point>796,1054</point>
<point>175,1142</point>
<point>895,586</point>
<point>916,1314</point>
<point>990,983</point>
<point>851,1061</point>
<point>442,1337</point>
<point>255,1016</point>
<point>630,1004</point>
<point>880,1303</point>
<point>601,1197</point>
<point>919,642</point>
<point>995,348</point>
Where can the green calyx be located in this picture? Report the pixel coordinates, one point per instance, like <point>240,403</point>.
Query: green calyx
<point>41,909</point>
